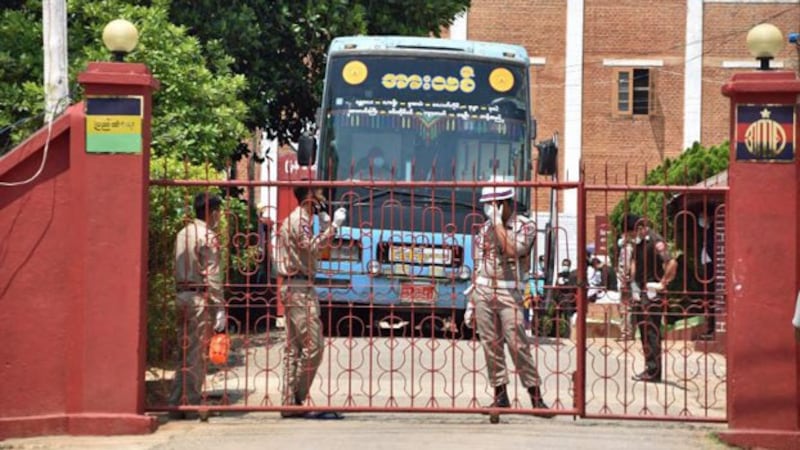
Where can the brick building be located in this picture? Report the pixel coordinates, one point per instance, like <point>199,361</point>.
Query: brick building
<point>628,83</point>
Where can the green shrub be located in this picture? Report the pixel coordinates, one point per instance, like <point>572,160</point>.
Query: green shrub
<point>693,166</point>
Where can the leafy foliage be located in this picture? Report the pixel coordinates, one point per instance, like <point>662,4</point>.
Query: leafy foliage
<point>21,74</point>
<point>693,166</point>
<point>278,45</point>
<point>281,45</point>
<point>197,112</point>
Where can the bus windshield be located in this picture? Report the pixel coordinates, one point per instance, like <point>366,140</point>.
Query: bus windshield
<point>425,118</point>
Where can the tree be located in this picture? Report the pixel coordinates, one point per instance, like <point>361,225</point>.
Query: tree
<point>280,45</point>
<point>197,118</point>
<point>197,113</point>
<point>21,73</point>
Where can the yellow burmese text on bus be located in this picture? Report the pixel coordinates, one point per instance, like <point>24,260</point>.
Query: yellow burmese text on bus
<point>437,83</point>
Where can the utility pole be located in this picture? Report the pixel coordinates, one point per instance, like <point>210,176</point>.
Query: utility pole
<point>56,88</point>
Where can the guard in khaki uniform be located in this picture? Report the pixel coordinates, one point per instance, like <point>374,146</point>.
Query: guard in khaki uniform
<point>199,299</point>
<point>296,260</point>
<point>502,257</point>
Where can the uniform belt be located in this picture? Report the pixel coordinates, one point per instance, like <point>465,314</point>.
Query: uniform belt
<point>200,289</point>
<point>493,283</point>
<point>297,277</point>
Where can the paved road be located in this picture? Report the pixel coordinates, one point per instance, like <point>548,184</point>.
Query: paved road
<point>395,431</point>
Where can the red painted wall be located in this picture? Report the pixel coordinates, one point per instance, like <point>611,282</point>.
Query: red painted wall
<point>73,276</point>
<point>35,270</point>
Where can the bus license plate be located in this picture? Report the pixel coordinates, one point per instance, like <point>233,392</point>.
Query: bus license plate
<point>417,292</point>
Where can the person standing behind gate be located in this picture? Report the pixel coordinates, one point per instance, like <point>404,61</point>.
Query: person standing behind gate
<point>297,250</point>
<point>624,280</point>
<point>652,263</point>
<point>502,249</point>
<point>199,298</point>
<point>705,225</point>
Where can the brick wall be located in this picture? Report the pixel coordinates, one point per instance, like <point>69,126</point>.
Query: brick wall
<point>615,147</point>
<point>539,27</point>
<point>623,146</point>
<point>725,27</point>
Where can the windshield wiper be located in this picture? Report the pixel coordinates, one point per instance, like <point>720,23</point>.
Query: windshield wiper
<point>423,195</point>
<point>454,200</point>
<point>374,193</point>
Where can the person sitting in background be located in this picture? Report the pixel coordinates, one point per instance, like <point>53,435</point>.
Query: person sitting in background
<point>563,274</point>
<point>594,276</point>
<point>540,275</point>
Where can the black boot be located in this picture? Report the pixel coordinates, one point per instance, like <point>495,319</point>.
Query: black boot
<point>500,397</point>
<point>294,414</point>
<point>538,402</point>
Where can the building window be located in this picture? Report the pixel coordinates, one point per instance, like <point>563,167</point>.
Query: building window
<point>633,92</point>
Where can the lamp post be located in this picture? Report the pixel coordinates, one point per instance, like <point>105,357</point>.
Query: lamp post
<point>764,42</point>
<point>120,38</point>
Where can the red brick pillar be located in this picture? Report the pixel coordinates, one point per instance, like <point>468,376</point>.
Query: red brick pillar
<point>112,177</point>
<point>762,238</point>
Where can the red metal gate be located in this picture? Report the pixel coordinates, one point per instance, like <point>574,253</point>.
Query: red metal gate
<point>418,355</point>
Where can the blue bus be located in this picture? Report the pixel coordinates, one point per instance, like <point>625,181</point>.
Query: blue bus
<point>423,110</point>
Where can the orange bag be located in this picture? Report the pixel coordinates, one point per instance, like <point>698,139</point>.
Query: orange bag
<point>218,348</point>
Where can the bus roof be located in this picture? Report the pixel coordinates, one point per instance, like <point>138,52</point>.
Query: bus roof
<point>425,44</point>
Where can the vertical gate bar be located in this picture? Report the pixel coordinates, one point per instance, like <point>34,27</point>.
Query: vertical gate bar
<point>580,388</point>
<point>370,370</point>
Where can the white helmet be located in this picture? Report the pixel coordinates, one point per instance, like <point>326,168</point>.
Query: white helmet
<point>494,193</point>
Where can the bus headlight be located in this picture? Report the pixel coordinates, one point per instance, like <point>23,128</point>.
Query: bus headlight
<point>374,267</point>
<point>464,273</point>
<point>341,249</point>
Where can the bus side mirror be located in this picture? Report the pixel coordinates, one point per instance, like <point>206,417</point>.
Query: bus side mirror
<point>548,153</point>
<point>533,128</point>
<point>306,150</point>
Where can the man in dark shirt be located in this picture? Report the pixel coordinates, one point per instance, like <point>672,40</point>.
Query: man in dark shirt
<point>652,269</point>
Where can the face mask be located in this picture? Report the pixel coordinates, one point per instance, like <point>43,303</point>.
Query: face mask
<point>701,222</point>
<point>488,210</point>
<point>377,162</point>
<point>638,240</point>
<point>620,242</point>
<point>565,268</point>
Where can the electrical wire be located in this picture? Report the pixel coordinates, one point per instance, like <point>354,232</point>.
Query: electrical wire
<point>51,118</point>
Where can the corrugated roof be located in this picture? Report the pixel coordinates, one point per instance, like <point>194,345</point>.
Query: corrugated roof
<point>720,179</point>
